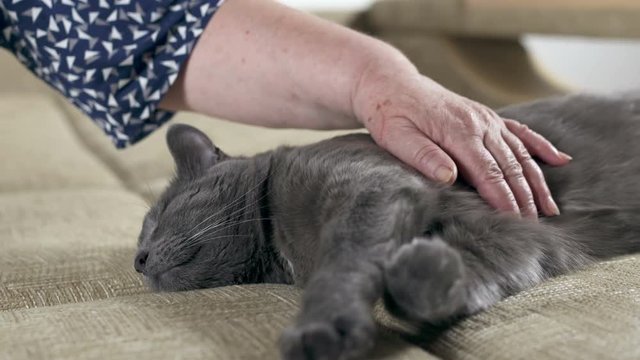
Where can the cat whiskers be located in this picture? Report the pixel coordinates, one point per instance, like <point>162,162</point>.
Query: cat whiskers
<point>165,250</point>
<point>233,213</point>
<point>226,207</point>
<point>217,225</point>
<point>220,227</point>
<point>185,250</point>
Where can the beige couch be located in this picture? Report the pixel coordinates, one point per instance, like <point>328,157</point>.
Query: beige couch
<point>70,210</point>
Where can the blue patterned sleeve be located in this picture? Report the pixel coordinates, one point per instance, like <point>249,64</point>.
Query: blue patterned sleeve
<point>113,59</point>
<point>4,35</point>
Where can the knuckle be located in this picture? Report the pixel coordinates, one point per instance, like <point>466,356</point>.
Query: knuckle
<point>513,170</point>
<point>518,126</point>
<point>468,119</point>
<point>531,166</point>
<point>487,113</point>
<point>532,169</point>
<point>522,154</point>
<point>493,174</point>
<point>530,204</point>
<point>426,152</point>
<point>529,208</point>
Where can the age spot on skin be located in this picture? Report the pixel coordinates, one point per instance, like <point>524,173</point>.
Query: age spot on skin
<point>385,103</point>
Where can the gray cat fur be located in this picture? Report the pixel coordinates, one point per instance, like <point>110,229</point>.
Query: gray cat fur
<point>351,224</point>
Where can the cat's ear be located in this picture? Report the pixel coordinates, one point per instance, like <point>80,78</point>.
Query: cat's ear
<point>192,151</point>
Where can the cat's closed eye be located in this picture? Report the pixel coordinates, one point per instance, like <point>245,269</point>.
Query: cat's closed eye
<point>191,257</point>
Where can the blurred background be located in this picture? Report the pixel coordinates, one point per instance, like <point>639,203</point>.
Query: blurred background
<point>600,65</point>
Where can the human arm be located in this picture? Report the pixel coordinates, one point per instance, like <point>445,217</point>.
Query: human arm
<point>259,62</point>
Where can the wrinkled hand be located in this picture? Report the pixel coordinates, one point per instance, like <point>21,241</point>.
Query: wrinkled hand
<point>433,130</point>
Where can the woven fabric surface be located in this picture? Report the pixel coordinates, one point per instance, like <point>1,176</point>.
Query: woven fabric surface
<point>39,152</point>
<point>16,78</point>
<point>225,323</point>
<point>67,246</point>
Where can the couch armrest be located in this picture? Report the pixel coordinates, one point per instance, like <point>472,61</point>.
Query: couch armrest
<point>510,18</point>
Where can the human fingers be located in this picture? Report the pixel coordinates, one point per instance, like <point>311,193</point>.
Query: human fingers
<point>533,175</point>
<point>513,173</point>
<point>536,144</point>
<point>480,168</point>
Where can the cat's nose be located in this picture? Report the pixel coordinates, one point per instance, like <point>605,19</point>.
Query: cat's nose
<point>140,261</point>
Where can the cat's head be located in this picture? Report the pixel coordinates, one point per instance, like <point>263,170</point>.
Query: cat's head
<point>195,235</point>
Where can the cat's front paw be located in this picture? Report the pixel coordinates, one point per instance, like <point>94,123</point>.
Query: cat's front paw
<point>341,337</point>
<point>425,282</point>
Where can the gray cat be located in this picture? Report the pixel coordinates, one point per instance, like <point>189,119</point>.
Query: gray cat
<point>351,224</point>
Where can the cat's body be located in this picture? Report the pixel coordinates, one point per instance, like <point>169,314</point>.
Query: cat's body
<point>350,223</point>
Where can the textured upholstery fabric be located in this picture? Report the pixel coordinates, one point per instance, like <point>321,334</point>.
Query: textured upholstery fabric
<point>28,121</point>
<point>67,246</point>
<point>16,79</point>
<point>225,323</point>
<point>509,18</point>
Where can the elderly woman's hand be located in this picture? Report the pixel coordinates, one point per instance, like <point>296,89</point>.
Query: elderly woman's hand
<point>434,129</point>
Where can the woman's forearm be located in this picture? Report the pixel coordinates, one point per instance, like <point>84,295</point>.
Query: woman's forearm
<point>262,63</point>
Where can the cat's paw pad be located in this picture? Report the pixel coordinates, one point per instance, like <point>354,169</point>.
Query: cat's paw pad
<point>425,281</point>
<point>345,337</point>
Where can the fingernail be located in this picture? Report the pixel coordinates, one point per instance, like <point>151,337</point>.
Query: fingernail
<point>565,156</point>
<point>553,207</point>
<point>444,174</point>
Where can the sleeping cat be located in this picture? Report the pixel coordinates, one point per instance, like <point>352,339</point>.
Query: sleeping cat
<point>351,224</point>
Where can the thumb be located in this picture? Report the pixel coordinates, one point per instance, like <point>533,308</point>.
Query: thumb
<point>413,147</point>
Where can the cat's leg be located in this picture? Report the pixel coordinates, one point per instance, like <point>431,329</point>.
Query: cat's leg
<point>336,319</point>
<point>472,263</point>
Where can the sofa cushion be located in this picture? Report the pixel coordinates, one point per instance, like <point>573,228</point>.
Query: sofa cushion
<point>68,246</point>
<point>16,78</point>
<point>224,323</point>
<point>38,150</point>
<point>508,18</point>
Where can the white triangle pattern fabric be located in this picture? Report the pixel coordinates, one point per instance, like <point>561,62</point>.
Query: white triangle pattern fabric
<point>112,59</point>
